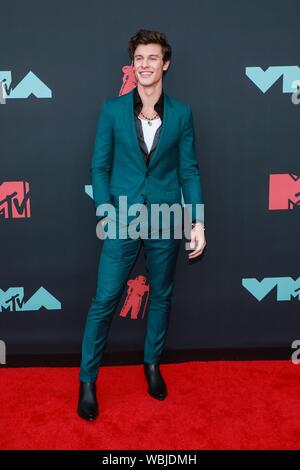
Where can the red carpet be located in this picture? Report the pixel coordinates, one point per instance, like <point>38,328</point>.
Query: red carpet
<point>211,405</point>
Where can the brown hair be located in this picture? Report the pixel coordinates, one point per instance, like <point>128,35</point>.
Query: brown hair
<point>145,36</point>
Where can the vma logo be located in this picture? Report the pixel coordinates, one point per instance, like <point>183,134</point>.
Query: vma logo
<point>14,301</point>
<point>284,192</point>
<point>29,85</point>
<point>286,287</point>
<point>264,79</point>
<point>14,200</point>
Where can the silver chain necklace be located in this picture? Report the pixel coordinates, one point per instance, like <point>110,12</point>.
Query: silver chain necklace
<point>149,119</point>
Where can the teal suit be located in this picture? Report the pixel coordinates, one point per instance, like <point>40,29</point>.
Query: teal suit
<point>118,168</point>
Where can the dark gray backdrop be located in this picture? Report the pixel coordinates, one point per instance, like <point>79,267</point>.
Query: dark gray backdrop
<point>242,136</point>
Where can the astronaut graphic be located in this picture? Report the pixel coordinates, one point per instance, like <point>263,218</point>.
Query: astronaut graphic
<point>128,80</point>
<point>137,288</point>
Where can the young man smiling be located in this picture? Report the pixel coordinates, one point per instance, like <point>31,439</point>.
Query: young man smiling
<point>144,149</point>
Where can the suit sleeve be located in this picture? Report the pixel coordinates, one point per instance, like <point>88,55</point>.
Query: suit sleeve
<point>102,159</point>
<point>189,174</point>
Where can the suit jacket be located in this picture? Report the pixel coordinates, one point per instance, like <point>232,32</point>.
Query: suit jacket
<point>118,166</point>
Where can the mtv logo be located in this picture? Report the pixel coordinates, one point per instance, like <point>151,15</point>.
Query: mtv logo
<point>14,200</point>
<point>284,191</point>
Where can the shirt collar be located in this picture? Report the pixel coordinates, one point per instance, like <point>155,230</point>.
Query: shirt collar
<point>138,104</point>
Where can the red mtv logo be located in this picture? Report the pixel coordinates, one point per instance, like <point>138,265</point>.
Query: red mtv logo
<point>14,200</point>
<point>284,191</point>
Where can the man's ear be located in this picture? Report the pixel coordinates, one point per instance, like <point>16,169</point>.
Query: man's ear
<point>166,65</point>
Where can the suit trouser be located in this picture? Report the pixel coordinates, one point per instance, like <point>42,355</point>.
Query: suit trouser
<point>116,261</point>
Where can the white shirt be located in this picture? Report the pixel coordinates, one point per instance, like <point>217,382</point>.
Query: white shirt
<point>149,131</point>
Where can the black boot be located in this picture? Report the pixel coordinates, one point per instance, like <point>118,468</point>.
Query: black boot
<point>156,384</point>
<point>87,403</point>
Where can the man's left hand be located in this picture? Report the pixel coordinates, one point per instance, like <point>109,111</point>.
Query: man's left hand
<point>198,241</point>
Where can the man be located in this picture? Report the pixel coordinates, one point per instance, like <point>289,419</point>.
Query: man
<point>144,150</point>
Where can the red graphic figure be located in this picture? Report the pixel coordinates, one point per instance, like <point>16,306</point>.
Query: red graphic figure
<point>136,289</point>
<point>129,80</point>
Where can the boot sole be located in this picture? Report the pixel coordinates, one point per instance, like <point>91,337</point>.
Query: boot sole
<point>157,397</point>
<point>86,417</point>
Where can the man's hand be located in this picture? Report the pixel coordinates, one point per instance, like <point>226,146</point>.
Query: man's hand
<point>197,240</point>
<point>99,227</point>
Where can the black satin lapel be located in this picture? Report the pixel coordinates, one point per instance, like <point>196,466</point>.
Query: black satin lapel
<point>141,136</point>
<point>155,140</point>
<point>159,136</point>
<point>134,132</point>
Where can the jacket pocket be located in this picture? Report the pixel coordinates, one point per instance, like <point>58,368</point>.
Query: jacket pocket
<point>115,190</point>
<point>173,195</point>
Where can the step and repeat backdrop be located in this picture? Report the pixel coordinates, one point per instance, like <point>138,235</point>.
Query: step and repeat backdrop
<point>237,64</point>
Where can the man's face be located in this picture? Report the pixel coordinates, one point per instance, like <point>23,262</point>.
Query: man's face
<point>148,64</point>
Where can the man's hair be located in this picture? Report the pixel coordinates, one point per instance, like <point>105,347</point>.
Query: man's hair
<point>145,36</point>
